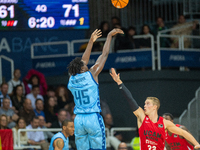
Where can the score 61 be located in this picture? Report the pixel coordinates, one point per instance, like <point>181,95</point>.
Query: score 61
<point>69,7</point>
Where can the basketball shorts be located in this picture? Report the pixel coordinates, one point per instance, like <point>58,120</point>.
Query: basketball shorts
<point>89,132</point>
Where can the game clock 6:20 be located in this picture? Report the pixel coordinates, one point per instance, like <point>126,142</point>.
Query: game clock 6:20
<point>44,14</point>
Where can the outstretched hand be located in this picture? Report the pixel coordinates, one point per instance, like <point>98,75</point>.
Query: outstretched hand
<point>197,147</point>
<point>95,35</point>
<point>115,76</point>
<point>115,31</point>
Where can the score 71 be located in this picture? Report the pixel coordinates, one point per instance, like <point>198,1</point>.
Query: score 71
<point>69,7</point>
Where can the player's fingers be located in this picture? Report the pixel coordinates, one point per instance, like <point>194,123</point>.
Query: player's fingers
<point>99,30</point>
<point>197,146</point>
<point>118,75</point>
<point>95,31</point>
<point>98,33</point>
<point>111,75</point>
<point>99,36</point>
<point>112,70</point>
<point>120,31</point>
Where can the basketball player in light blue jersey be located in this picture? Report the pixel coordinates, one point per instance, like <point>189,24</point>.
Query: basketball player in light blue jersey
<point>83,83</point>
<point>60,140</point>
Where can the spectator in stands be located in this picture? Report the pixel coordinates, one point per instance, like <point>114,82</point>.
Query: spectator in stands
<point>115,20</point>
<point>182,28</point>
<point>50,110</point>
<point>3,122</point>
<point>63,99</point>
<point>104,108</point>
<point>47,134</point>
<point>105,28</point>
<point>34,77</point>
<point>34,95</point>
<point>50,93</point>
<point>196,32</point>
<point>62,115</point>
<point>20,124</point>
<point>18,98</point>
<point>12,117</point>
<point>4,94</point>
<point>164,42</point>
<point>27,112</point>
<point>15,81</point>
<point>70,110</point>
<point>146,41</point>
<point>121,40</point>
<point>135,142</point>
<point>36,137</point>
<point>122,146</point>
<point>108,121</point>
<point>133,43</point>
<point>39,108</point>
<point>73,117</point>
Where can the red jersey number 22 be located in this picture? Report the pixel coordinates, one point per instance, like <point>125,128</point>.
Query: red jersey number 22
<point>151,147</point>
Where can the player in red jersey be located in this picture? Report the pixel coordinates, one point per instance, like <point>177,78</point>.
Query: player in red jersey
<point>151,126</point>
<point>174,141</point>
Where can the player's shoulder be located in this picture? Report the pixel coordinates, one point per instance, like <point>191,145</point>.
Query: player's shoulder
<point>58,143</point>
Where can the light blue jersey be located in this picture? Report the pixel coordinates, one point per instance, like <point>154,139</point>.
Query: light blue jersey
<point>86,93</point>
<point>59,135</point>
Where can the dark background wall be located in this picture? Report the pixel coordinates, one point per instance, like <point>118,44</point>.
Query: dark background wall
<point>174,89</point>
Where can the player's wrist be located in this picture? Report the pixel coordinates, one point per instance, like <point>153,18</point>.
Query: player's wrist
<point>119,82</point>
<point>91,40</point>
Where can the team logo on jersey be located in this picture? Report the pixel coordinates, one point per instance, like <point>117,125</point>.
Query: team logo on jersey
<point>175,135</point>
<point>160,125</point>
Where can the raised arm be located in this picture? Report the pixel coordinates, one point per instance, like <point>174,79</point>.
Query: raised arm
<point>184,128</point>
<point>98,66</point>
<point>138,111</point>
<point>174,129</point>
<point>86,55</point>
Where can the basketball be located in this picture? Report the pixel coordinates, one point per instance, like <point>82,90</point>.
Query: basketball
<point>119,3</point>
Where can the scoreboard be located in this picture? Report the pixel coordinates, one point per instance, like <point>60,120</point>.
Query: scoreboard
<point>43,14</point>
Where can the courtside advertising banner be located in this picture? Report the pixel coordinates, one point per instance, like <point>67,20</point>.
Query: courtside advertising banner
<point>54,66</point>
<point>180,58</point>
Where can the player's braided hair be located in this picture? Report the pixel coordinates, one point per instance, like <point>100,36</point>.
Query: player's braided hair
<point>75,66</point>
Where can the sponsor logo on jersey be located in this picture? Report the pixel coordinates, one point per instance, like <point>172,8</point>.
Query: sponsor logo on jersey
<point>152,135</point>
<point>160,125</point>
<point>175,135</point>
<point>174,144</point>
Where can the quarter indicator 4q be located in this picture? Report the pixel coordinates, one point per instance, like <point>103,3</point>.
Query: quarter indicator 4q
<point>43,14</point>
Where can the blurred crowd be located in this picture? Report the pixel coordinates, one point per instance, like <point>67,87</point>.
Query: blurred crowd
<point>127,41</point>
<point>32,104</point>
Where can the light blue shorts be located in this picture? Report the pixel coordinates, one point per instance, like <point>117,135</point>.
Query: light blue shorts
<point>90,132</point>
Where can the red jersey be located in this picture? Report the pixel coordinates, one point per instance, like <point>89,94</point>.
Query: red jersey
<point>152,135</point>
<point>175,142</point>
